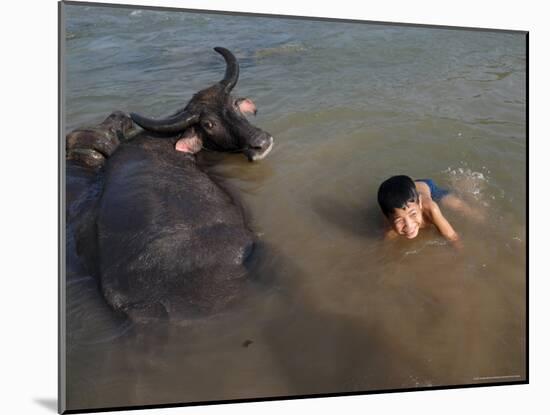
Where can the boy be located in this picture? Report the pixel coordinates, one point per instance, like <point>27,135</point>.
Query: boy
<point>411,205</point>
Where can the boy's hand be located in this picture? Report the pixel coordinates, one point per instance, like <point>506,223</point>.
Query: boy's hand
<point>457,243</point>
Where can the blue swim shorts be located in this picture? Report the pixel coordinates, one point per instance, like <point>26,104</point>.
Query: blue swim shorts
<point>437,192</point>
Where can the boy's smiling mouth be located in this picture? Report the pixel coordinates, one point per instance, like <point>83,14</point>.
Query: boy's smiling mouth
<point>412,233</point>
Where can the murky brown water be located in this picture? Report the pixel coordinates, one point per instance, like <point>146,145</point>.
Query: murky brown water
<point>337,309</point>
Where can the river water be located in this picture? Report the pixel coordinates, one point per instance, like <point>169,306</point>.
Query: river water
<point>349,105</point>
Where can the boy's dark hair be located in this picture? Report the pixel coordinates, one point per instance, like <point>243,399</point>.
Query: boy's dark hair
<point>396,193</point>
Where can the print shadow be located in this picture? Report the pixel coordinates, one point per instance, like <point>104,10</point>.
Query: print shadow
<point>48,403</point>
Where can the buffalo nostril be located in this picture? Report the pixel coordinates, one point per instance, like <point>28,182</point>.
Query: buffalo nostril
<point>259,148</point>
<point>261,142</point>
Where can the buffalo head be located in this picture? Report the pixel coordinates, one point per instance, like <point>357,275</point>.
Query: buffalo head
<point>214,119</point>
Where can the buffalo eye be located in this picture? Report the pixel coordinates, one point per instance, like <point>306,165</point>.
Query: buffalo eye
<point>208,125</point>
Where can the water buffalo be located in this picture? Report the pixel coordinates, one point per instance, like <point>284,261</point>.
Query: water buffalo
<point>163,239</point>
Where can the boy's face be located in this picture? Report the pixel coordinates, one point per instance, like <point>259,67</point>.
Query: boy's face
<point>406,222</point>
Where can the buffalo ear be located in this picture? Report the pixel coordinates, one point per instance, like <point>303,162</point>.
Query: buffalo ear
<point>246,106</point>
<point>189,142</point>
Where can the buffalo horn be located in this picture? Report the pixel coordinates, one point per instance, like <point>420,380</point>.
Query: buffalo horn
<point>231,71</point>
<point>171,125</point>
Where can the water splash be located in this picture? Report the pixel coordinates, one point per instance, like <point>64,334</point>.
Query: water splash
<point>467,182</point>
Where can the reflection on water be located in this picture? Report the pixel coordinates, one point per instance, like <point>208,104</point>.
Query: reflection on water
<point>335,308</point>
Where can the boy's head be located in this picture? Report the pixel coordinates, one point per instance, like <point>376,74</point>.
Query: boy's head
<point>401,204</point>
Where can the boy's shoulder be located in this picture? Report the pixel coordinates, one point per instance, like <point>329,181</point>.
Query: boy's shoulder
<point>423,189</point>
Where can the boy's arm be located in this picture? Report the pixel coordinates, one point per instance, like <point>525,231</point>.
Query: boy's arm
<point>443,225</point>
